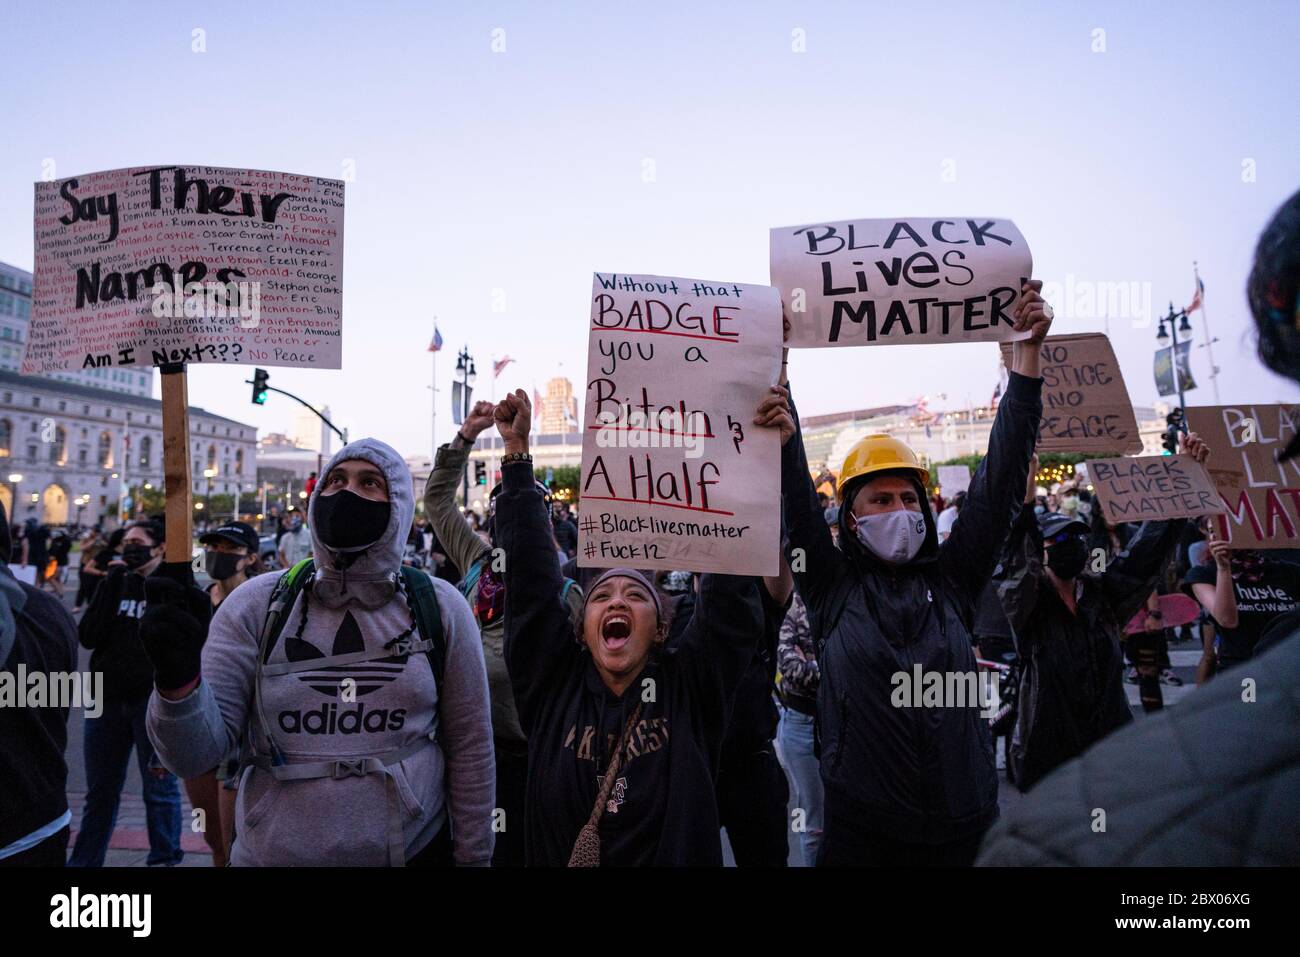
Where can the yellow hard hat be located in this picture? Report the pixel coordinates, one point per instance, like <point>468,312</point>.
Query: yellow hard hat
<point>877,453</point>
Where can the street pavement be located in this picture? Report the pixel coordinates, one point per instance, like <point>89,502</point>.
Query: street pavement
<point>130,844</point>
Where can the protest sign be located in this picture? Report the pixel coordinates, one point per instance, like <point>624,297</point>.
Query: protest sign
<point>953,479</point>
<point>900,281</point>
<point>165,265</point>
<point>675,475</point>
<point>1153,488</point>
<point>1261,495</point>
<point>1086,407</point>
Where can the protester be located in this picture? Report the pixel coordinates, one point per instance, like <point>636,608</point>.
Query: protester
<point>624,735</point>
<point>358,688</point>
<point>1213,781</point>
<point>1243,590</point>
<point>484,588</point>
<point>296,542</point>
<point>949,515</point>
<point>797,663</point>
<point>35,548</point>
<point>60,546</point>
<point>752,790</point>
<point>566,531</point>
<point>110,628</point>
<point>1067,613</point>
<point>904,785</point>
<point>37,634</point>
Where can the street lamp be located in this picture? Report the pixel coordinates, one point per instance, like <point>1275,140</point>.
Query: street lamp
<point>1171,337</point>
<point>209,474</point>
<point>465,372</point>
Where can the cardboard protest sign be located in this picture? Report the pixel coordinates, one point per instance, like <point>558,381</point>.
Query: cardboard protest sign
<point>954,479</point>
<point>870,282</point>
<point>675,475</point>
<point>1153,488</point>
<point>1261,495</point>
<point>1086,407</point>
<point>160,265</point>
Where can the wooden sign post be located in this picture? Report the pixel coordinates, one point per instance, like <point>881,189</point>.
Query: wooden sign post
<point>176,463</point>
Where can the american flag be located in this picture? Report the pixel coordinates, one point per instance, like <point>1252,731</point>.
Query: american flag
<point>1198,298</point>
<point>500,364</point>
<point>436,344</point>
<point>538,404</point>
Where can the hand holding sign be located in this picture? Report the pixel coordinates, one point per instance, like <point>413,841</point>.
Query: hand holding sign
<point>1193,445</point>
<point>774,410</point>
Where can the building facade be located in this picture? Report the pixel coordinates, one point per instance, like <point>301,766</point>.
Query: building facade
<point>71,453</point>
<point>559,412</point>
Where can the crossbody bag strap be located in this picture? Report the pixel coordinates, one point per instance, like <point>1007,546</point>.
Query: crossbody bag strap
<point>586,849</point>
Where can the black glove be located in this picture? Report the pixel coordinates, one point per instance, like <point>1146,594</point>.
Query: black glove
<point>173,629</point>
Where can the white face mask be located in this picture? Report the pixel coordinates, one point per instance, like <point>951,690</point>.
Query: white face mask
<point>894,536</point>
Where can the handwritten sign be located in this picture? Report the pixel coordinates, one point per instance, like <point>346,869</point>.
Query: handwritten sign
<point>1153,488</point>
<point>159,265</point>
<point>1086,407</point>
<point>1261,495</point>
<point>675,475</point>
<point>871,282</point>
<point>954,479</point>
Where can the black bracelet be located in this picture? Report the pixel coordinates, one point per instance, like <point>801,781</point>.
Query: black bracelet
<point>516,457</point>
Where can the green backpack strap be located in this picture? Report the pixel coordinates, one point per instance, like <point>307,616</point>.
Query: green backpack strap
<point>428,619</point>
<point>283,596</point>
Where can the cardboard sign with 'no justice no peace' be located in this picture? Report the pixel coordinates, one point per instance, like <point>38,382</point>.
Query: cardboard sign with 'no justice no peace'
<point>868,282</point>
<point>1086,407</point>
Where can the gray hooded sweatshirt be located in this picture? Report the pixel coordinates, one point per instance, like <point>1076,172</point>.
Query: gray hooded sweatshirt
<point>346,818</point>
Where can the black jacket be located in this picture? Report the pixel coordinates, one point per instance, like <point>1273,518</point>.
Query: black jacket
<point>110,628</point>
<point>1072,678</point>
<point>923,775</point>
<point>664,812</point>
<point>1214,782</point>
<point>33,772</point>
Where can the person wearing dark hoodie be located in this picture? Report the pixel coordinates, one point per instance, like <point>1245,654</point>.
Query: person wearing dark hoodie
<point>1214,782</point>
<point>110,628</point>
<point>624,735</point>
<point>484,588</point>
<point>356,755</point>
<point>1068,611</point>
<point>36,634</point>
<point>905,786</point>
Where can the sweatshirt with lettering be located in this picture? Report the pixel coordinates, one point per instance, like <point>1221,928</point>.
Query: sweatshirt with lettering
<point>343,713</point>
<point>110,628</point>
<point>662,809</point>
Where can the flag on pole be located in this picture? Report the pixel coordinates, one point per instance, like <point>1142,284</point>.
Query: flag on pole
<point>539,405</point>
<point>436,344</point>
<point>500,364</point>
<point>1198,298</point>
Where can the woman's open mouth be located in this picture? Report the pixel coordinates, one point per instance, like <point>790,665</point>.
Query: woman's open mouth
<point>616,630</point>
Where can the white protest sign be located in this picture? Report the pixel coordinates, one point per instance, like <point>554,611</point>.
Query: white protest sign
<point>900,281</point>
<point>954,479</point>
<point>157,265</point>
<point>675,475</point>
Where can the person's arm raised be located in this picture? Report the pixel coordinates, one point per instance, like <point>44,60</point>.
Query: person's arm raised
<point>539,636</point>
<point>450,527</point>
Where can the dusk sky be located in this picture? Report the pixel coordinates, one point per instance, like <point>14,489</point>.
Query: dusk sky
<point>1125,140</point>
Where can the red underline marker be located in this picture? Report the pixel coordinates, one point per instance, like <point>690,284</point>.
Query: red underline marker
<point>662,332</point>
<point>637,501</point>
<point>646,428</point>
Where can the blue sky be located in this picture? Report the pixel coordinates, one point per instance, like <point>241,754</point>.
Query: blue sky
<point>488,179</point>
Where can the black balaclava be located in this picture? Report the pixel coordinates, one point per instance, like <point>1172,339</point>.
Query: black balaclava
<point>346,522</point>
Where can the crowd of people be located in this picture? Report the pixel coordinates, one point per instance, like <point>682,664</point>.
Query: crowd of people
<point>437,690</point>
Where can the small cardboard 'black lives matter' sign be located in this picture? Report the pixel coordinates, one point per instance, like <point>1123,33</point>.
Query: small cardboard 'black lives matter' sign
<point>1153,488</point>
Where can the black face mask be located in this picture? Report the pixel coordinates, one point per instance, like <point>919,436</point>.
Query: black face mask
<point>136,555</point>
<point>1067,559</point>
<point>345,520</point>
<point>221,565</point>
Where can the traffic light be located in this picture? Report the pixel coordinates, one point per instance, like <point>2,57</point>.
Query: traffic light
<point>259,386</point>
<point>1173,426</point>
<point>480,473</point>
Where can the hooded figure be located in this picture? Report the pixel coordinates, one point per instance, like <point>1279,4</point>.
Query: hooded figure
<point>907,778</point>
<point>407,761</point>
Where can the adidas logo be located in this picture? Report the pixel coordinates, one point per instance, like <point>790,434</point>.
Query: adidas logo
<point>369,676</point>
<point>330,718</point>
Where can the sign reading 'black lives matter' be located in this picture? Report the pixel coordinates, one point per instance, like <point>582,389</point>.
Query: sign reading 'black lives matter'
<point>871,282</point>
<point>161,265</point>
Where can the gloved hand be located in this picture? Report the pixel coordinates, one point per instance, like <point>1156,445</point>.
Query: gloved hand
<point>173,629</point>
